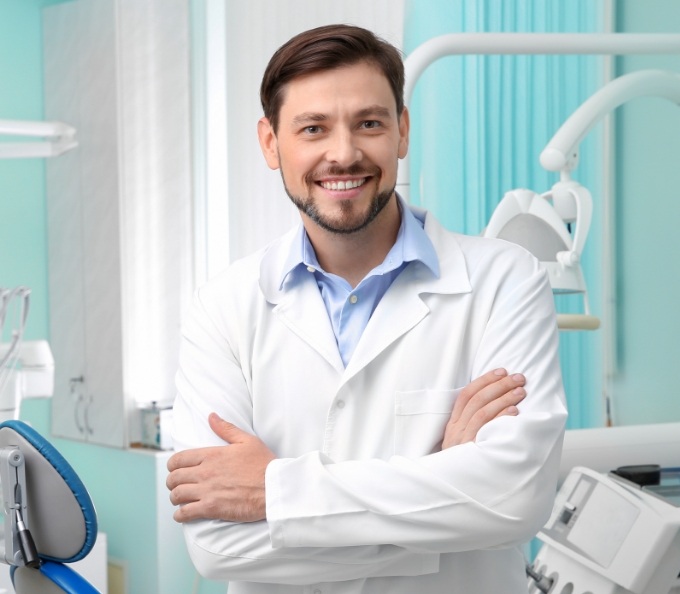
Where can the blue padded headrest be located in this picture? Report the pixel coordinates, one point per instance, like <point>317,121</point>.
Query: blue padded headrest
<point>62,518</point>
<point>50,578</point>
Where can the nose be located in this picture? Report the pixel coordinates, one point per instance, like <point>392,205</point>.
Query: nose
<point>343,148</point>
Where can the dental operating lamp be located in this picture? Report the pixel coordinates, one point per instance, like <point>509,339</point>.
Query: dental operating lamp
<point>540,222</point>
<point>554,225</point>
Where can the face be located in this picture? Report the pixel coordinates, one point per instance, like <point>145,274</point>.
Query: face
<point>338,142</point>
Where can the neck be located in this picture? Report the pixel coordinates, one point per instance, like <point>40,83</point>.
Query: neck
<point>354,255</point>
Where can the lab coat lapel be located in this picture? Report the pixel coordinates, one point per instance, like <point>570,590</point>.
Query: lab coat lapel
<point>302,310</point>
<point>400,310</point>
<point>402,307</point>
<point>300,307</point>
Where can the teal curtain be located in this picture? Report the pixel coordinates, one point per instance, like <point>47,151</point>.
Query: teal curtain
<point>479,124</point>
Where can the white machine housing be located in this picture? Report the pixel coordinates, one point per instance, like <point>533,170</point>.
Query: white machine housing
<point>32,378</point>
<point>607,535</point>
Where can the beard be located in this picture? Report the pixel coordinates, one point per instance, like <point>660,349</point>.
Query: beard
<point>349,219</point>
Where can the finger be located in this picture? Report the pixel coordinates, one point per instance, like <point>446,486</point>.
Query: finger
<point>189,511</point>
<point>226,430</point>
<point>473,388</point>
<point>490,392</point>
<point>185,493</point>
<point>494,408</point>
<point>182,476</point>
<point>510,411</point>
<point>187,458</point>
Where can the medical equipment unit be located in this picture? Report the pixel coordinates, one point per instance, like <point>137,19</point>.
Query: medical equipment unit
<point>615,533</point>
<point>26,367</point>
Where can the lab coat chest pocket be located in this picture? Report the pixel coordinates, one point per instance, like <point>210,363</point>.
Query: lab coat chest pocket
<point>420,420</point>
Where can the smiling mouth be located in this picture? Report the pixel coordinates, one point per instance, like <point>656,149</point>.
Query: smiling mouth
<point>348,184</point>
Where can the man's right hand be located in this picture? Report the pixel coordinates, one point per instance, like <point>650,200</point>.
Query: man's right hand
<point>492,395</point>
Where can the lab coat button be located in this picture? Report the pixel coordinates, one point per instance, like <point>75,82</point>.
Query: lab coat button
<point>353,299</point>
<point>341,404</point>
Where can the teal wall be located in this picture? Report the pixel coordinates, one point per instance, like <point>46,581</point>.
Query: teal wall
<point>647,220</point>
<point>23,238</point>
<point>124,485</point>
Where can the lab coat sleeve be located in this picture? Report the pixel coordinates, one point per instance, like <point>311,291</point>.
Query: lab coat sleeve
<point>210,379</point>
<point>495,492</point>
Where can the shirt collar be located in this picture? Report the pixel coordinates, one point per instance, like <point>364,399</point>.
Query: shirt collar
<point>412,244</point>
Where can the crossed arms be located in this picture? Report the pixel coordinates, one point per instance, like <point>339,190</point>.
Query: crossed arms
<point>228,482</point>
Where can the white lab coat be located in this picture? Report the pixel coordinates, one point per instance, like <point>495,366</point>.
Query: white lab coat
<point>361,499</point>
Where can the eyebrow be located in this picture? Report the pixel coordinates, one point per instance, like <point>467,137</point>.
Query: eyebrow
<point>307,117</point>
<point>374,110</point>
<point>370,111</point>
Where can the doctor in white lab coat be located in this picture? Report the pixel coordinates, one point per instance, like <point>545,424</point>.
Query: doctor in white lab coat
<point>358,460</point>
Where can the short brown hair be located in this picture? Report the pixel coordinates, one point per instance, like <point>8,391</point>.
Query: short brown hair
<point>326,48</point>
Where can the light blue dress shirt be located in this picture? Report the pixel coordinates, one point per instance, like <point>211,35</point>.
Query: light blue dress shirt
<point>350,309</point>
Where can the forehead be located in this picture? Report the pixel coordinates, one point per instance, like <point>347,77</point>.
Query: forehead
<point>344,89</point>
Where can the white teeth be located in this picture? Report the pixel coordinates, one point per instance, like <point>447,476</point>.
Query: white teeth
<point>343,185</point>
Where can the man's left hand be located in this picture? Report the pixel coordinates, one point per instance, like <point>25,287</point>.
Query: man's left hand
<point>221,482</point>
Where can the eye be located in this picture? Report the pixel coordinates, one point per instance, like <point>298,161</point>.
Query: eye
<point>371,124</point>
<point>311,130</point>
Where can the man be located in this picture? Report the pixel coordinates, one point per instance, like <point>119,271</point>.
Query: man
<point>331,363</point>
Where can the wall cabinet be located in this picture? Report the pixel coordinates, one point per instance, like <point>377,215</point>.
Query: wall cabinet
<point>119,209</point>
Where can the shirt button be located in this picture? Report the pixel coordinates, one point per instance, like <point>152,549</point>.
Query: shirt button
<point>311,269</point>
<point>353,299</point>
<point>341,404</point>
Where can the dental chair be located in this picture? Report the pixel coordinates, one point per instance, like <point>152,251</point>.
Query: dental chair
<point>49,518</point>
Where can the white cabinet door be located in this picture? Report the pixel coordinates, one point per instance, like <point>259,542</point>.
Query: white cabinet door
<point>83,225</point>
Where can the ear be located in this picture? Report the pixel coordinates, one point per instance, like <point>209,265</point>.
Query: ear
<point>404,127</point>
<point>268,143</point>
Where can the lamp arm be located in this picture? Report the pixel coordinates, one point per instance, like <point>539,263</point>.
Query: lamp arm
<point>563,146</point>
<point>524,43</point>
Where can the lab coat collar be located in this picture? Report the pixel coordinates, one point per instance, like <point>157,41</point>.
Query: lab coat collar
<point>412,244</point>
<point>300,306</point>
<point>453,277</point>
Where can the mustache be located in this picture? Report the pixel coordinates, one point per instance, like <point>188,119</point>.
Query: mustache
<point>357,170</point>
